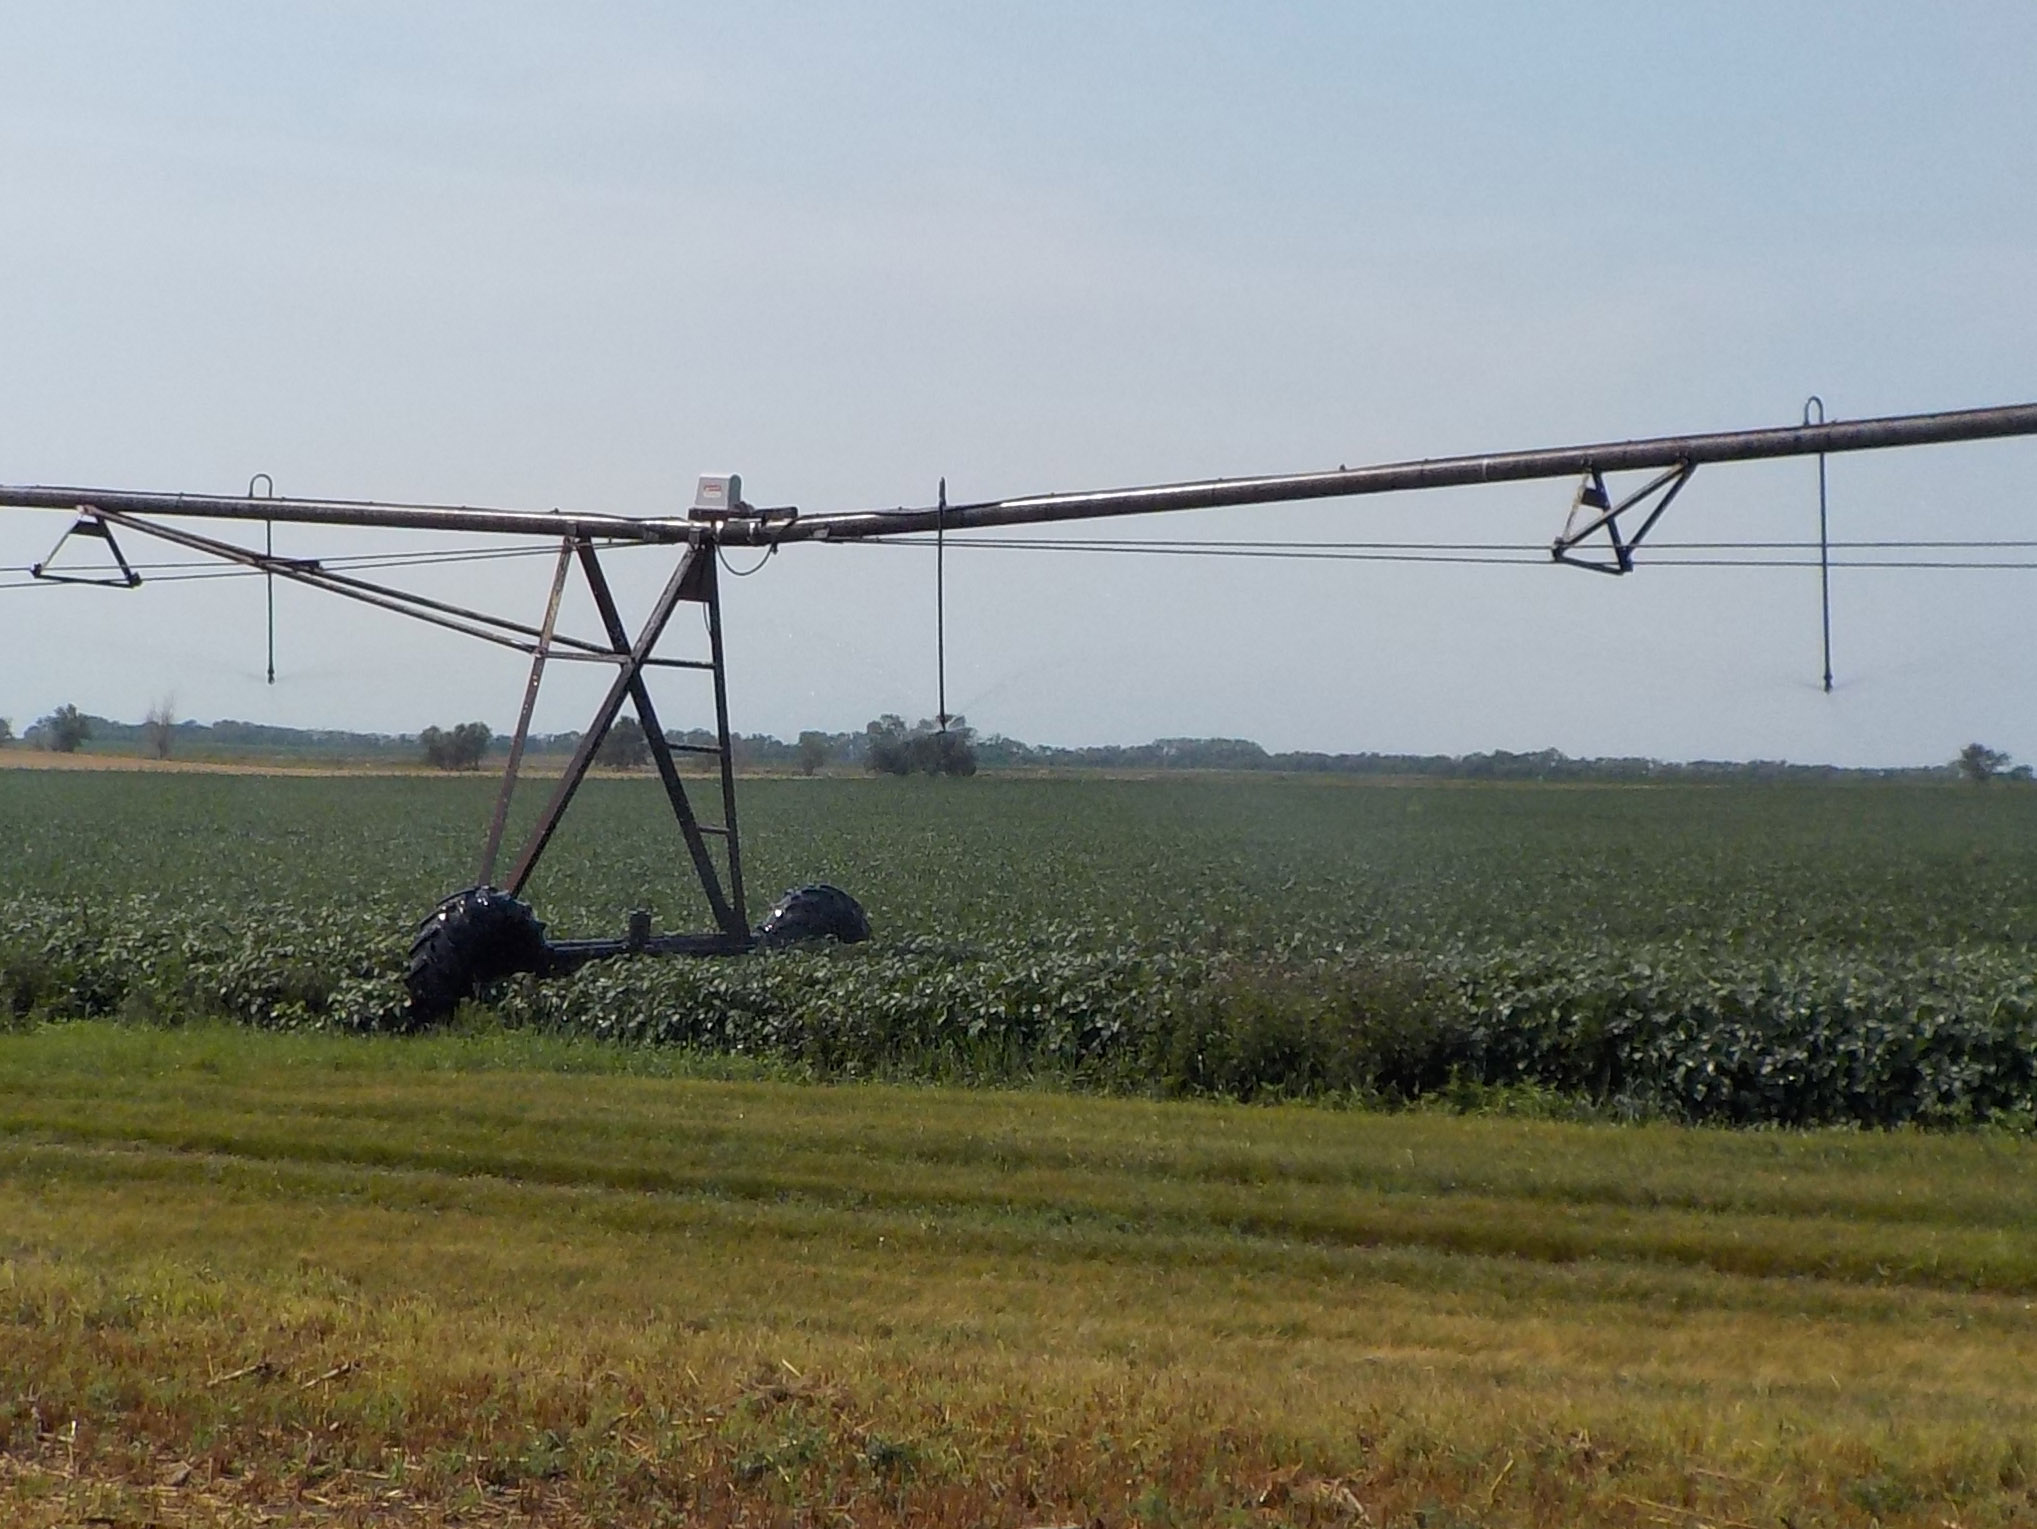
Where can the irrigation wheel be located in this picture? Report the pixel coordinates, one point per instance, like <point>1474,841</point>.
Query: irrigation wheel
<point>471,939</point>
<point>816,912</point>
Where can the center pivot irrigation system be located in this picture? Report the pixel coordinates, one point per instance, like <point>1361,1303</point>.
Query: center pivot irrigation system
<point>487,932</point>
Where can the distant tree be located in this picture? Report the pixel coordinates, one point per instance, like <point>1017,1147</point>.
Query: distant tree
<point>6,732</point>
<point>159,727</point>
<point>813,752</point>
<point>1979,763</point>
<point>2022,773</point>
<point>64,729</point>
<point>885,751</point>
<point>459,749</point>
<point>625,747</point>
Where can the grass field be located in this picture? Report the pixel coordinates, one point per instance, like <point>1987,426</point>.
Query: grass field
<point>487,1276</point>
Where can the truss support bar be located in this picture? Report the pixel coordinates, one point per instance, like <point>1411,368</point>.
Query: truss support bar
<point>687,585</point>
<point>688,582</point>
<point>500,820</point>
<point>626,679</point>
<point>711,585</point>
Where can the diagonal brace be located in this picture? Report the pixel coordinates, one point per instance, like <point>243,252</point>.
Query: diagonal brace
<point>458,618</point>
<point>530,700</point>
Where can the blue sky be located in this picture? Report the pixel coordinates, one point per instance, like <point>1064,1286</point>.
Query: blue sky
<point>548,255</point>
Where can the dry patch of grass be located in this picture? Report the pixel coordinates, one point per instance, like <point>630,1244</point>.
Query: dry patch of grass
<point>248,1277</point>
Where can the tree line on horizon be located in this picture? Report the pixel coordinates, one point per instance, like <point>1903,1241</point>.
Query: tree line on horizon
<point>888,745</point>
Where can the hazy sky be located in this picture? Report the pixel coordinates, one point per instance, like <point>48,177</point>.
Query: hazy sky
<point>537,256</point>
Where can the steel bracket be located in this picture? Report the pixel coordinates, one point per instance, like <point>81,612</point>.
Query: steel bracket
<point>1592,510</point>
<point>90,524</point>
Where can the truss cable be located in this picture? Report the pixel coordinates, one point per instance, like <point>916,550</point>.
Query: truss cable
<point>1104,544</point>
<point>1521,554</point>
<point>164,568</point>
<point>167,570</point>
<point>1303,555</point>
<point>1471,555</point>
<point>1308,552</point>
<point>425,559</point>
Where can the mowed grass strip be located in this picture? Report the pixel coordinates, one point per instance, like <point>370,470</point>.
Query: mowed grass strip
<point>464,1276</point>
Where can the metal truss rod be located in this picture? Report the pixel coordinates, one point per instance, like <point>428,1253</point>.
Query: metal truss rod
<point>368,594</point>
<point>500,820</point>
<point>711,586</point>
<point>457,618</point>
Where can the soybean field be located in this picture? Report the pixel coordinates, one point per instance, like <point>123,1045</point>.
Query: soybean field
<point>1782,954</point>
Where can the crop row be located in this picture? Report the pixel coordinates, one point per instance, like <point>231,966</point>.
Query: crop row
<point>1691,1030</point>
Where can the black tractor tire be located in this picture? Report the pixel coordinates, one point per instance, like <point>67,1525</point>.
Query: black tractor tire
<point>816,912</point>
<point>473,938</point>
